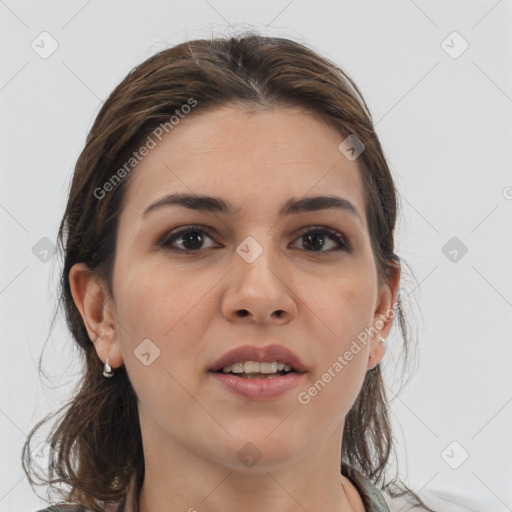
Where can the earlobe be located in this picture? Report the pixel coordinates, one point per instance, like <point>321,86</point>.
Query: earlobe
<point>376,353</point>
<point>94,304</point>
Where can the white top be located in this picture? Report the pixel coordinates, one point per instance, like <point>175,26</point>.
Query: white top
<point>440,501</point>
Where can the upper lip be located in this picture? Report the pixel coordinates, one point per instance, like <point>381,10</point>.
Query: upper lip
<point>265,354</point>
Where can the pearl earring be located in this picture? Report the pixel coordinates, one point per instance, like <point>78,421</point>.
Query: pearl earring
<point>382,341</point>
<point>108,371</point>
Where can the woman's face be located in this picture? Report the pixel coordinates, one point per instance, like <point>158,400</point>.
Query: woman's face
<point>252,276</point>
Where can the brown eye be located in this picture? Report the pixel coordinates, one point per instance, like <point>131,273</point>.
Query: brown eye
<point>189,239</point>
<point>316,238</point>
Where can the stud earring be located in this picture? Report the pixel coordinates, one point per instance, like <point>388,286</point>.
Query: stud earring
<point>382,341</point>
<point>108,371</point>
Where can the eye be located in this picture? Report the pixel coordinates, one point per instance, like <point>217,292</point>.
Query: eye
<point>314,239</point>
<point>190,239</point>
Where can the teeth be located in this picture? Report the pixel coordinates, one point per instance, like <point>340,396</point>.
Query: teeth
<point>256,367</point>
<point>237,368</point>
<point>252,367</point>
<point>252,376</point>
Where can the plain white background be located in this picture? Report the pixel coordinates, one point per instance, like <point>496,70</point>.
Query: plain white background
<point>444,120</point>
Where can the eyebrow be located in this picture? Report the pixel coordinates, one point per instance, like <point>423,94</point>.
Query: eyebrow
<point>211,204</point>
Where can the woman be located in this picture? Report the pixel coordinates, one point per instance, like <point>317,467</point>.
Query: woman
<point>229,275</point>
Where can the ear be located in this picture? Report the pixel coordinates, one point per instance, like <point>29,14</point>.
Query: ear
<point>97,310</point>
<point>383,316</point>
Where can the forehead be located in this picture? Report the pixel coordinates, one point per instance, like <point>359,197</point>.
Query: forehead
<point>248,157</point>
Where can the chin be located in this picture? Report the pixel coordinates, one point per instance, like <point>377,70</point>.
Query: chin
<point>261,451</point>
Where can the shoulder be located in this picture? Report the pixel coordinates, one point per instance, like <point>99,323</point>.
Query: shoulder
<point>76,507</point>
<point>64,508</point>
<point>372,498</point>
<point>438,500</point>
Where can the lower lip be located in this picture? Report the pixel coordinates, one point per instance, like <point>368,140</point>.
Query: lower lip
<point>259,389</point>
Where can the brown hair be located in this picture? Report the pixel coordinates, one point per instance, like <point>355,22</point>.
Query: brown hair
<point>97,444</point>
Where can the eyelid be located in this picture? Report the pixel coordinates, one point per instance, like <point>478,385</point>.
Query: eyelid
<point>334,232</point>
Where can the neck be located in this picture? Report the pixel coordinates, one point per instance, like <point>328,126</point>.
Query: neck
<point>178,479</point>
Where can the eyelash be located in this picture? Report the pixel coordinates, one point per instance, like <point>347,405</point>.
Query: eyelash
<point>169,238</point>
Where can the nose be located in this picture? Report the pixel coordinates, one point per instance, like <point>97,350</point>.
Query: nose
<point>259,292</point>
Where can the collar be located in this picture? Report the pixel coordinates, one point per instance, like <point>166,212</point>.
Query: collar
<point>130,502</point>
<point>372,497</point>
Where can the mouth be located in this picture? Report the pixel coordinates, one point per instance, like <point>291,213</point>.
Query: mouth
<point>259,373</point>
<point>256,362</point>
<point>256,385</point>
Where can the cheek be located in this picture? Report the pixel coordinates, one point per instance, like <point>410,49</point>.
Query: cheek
<point>159,323</point>
<point>335,386</point>
<point>345,309</point>
<point>160,319</point>
<point>155,301</point>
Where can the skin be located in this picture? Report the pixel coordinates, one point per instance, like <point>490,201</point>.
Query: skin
<point>188,305</point>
